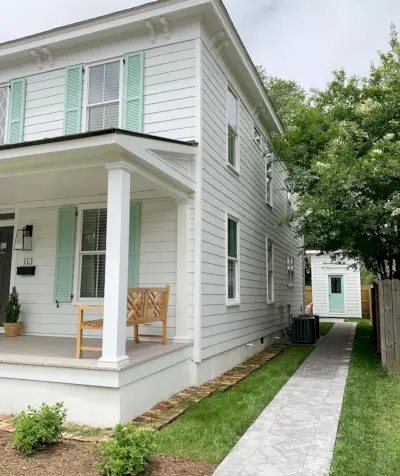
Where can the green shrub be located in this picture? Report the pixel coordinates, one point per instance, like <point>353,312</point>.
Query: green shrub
<point>13,308</point>
<point>37,428</point>
<point>127,453</point>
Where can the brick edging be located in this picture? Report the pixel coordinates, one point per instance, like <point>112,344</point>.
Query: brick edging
<point>169,410</point>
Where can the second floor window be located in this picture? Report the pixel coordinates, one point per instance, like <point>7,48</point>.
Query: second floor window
<point>104,96</point>
<point>3,113</point>
<point>232,128</point>
<point>269,179</point>
<point>257,136</point>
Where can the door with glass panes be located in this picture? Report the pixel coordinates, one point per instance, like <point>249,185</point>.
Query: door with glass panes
<point>336,294</point>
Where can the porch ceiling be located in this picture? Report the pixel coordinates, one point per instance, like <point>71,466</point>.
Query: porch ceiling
<point>67,184</point>
<point>67,166</point>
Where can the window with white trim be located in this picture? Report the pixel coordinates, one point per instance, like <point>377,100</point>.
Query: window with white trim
<point>257,136</point>
<point>233,118</point>
<point>290,271</point>
<point>289,200</point>
<point>270,270</point>
<point>93,253</point>
<point>269,171</point>
<point>103,101</point>
<point>3,113</point>
<point>233,261</point>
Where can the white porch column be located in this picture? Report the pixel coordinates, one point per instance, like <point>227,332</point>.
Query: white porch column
<point>117,251</point>
<point>182,272</point>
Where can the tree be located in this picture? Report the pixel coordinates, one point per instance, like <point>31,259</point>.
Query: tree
<point>286,95</point>
<point>342,150</point>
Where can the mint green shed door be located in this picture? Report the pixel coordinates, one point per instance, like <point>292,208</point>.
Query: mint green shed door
<point>336,294</point>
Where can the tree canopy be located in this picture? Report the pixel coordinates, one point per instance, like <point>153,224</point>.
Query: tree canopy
<point>286,95</point>
<point>342,150</point>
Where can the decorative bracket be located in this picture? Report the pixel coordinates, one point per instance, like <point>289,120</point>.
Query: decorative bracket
<point>220,41</point>
<point>152,32</point>
<point>164,23</point>
<point>36,54</point>
<point>222,45</point>
<point>217,38</point>
<point>46,50</point>
<point>259,110</point>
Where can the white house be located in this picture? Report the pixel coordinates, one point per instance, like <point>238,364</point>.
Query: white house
<point>336,286</point>
<point>134,145</point>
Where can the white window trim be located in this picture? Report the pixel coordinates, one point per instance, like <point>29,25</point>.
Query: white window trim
<point>269,197</point>
<point>234,168</point>
<point>289,200</point>
<point>85,112</point>
<point>6,85</point>
<point>289,264</point>
<point>77,260</point>
<point>267,240</point>
<point>230,302</point>
<point>256,128</point>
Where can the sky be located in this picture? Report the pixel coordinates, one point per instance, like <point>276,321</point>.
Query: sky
<point>303,40</point>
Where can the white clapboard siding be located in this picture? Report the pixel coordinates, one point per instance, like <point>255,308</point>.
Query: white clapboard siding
<point>224,328</point>
<point>169,91</point>
<point>321,269</point>
<point>44,106</point>
<point>157,268</point>
<point>169,96</point>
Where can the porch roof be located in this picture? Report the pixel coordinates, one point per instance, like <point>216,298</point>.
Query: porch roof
<point>166,161</point>
<point>81,135</point>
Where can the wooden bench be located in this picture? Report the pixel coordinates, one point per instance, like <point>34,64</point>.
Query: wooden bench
<point>145,305</point>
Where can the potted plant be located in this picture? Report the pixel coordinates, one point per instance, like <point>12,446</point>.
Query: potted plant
<point>11,315</point>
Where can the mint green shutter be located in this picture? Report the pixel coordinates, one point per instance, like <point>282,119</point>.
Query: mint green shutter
<point>17,111</point>
<point>65,255</point>
<point>134,244</point>
<point>73,99</point>
<point>133,92</point>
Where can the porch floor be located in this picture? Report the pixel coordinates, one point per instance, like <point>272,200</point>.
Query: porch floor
<point>60,351</point>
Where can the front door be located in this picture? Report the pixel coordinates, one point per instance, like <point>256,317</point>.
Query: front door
<point>336,294</point>
<point>6,246</point>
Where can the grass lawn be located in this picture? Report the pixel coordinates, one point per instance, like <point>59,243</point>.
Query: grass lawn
<point>368,442</point>
<point>325,327</point>
<point>358,321</point>
<point>210,429</point>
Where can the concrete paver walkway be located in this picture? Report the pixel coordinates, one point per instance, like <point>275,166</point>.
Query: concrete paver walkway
<point>295,435</point>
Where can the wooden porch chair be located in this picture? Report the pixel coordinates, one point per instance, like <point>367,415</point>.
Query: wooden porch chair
<point>145,305</point>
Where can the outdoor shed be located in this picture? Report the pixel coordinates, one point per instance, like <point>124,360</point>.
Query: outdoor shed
<point>336,286</point>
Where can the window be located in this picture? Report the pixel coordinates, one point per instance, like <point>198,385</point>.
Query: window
<point>93,253</point>
<point>257,137</point>
<point>104,96</point>
<point>233,261</point>
<point>289,198</point>
<point>269,178</point>
<point>290,271</point>
<point>232,128</point>
<point>270,271</point>
<point>3,113</point>
<point>336,285</point>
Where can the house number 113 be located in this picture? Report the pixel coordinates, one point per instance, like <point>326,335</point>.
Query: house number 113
<point>28,261</point>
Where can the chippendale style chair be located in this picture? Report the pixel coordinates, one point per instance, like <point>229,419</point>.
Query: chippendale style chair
<point>145,305</point>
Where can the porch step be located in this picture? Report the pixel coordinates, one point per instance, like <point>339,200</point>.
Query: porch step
<point>167,411</point>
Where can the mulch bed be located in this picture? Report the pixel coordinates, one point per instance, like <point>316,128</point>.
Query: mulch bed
<point>73,458</point>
